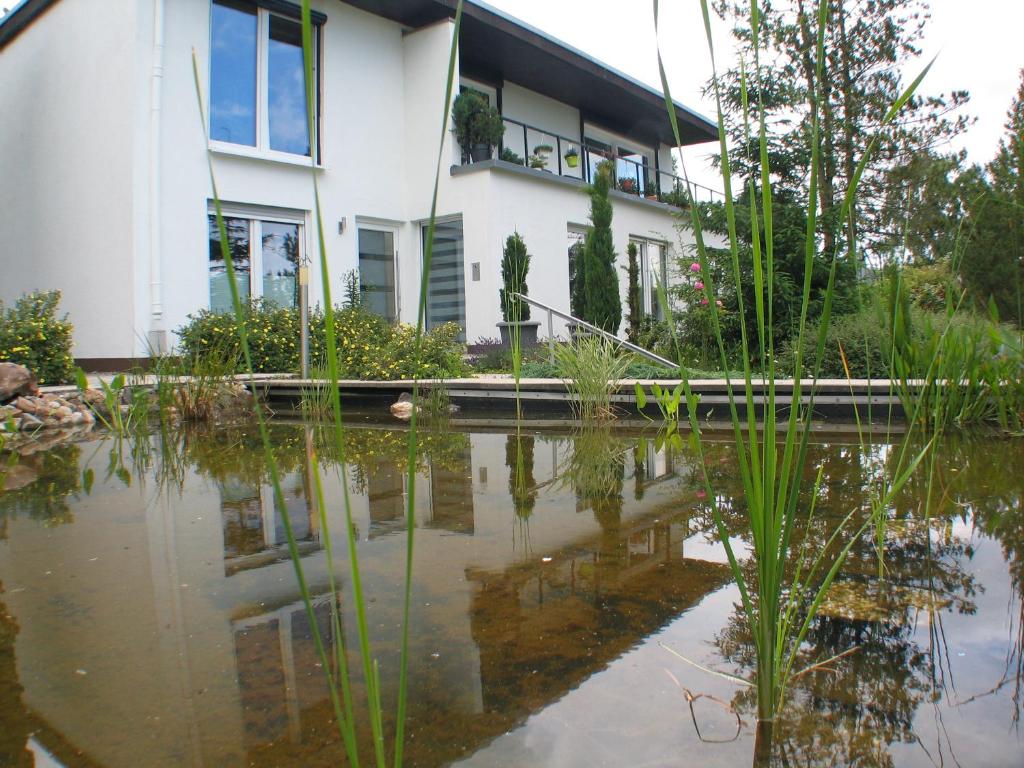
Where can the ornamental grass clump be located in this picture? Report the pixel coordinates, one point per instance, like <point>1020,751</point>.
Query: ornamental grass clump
<point>591,367</point>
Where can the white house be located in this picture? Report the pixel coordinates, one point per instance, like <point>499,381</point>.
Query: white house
<point>105,192</point>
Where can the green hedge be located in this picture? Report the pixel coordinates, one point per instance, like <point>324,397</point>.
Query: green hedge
<point>368,346</point>
<point>32,335</point>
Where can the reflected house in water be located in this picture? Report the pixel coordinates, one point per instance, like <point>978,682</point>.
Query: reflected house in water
<point>203,626</point>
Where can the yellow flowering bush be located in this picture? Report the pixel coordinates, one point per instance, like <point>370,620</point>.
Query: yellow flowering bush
<point>369,347</point>
<point>32,335</point>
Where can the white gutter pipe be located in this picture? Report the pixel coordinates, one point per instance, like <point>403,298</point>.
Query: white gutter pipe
<point>157,333</point>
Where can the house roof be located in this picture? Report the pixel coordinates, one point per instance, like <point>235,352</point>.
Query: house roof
<point>497,47</point>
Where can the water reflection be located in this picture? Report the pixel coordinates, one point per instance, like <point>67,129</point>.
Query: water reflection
<point>156,621</point>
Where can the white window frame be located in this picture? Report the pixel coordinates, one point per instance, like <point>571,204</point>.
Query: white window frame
<point>256,215</point>
<point>643,244</point>
<point>262,148</point>
<point>393,227</point>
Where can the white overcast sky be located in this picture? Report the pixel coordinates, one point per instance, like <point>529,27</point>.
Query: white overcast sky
<point>978,43</point>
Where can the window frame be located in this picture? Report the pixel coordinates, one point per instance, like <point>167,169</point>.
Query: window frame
<point>256,216</point>
<point>264,10</point>
<point>650,305</point>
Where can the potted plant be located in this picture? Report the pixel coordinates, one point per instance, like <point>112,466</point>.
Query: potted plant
<point>651,188</point>
<point>572,157</point>
<point>515,313</point>
<point>478,126</point>
<point>627,184</point>
<point>539,158</point>
<point>510,157</point>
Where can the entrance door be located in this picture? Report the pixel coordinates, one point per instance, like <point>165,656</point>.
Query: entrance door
<point>378,284</point>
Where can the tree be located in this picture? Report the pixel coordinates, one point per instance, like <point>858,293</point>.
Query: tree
<point>634,309</point>
<point>515,263</point>
<point>992,263</point>
<point>866,46</point>
<point>601,303</point>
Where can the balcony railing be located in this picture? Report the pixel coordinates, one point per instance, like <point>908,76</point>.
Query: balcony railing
<point>534,147</point>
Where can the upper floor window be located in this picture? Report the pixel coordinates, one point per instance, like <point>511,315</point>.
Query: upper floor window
<point>257,83</point>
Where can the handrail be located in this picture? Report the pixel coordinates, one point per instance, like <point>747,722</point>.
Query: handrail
<point>641,173</point>
<point>593,329</point>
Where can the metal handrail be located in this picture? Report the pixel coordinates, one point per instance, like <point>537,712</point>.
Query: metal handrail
<point>593,329</point>
<point>644,175</point>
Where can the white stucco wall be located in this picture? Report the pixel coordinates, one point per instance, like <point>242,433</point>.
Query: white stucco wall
<point>542,209</point>
<point>77,216</point>
<point>68,136</point>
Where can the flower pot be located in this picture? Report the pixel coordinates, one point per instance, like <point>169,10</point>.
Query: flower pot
<point>527,333</point>
<point>480,152</point>
<point>572,160</point>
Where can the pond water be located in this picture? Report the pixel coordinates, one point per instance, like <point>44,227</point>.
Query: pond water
<point>149,613</point>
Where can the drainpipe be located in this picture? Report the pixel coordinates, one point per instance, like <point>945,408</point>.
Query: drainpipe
<point>157,332</point>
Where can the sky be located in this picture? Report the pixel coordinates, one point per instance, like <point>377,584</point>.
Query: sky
<point>977,43</point>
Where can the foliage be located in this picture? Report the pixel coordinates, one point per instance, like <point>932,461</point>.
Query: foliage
<point>600,290</point>
<point>862,337</point>
<point>591,366</point>
<point>992,265</point>
<point>368,346</point>
<point>515,263</point>
<point>789,225</point>
<point>476,121</point>
<point>634,312</point>
<point>522,485</point>
<point>32,335</point>
<point>511,157</point>
<point>576,297</point>
<point>867,48</point>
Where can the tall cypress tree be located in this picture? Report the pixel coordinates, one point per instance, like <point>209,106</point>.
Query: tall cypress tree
<point>601,303</point>
<point>634,310</point>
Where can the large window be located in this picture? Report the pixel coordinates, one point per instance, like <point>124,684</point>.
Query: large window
<point>446,292</point>
<point>257,85</point>
<point>377,284</point>
<point>653,272</point>
<point>266,254</point>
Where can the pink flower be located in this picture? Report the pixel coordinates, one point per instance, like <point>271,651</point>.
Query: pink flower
<point>701,494</point>
<point>704,301</point>
<point>699,285</point>
<point>719,303</point>
<point>695,267</point>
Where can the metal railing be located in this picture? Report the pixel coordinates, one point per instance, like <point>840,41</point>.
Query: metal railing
<point>591,329</point>
<point>576,159</point>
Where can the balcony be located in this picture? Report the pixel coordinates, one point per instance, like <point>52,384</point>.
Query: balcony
<point>543,152</point>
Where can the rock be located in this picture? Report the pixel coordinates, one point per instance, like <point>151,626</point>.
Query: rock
<point>63,413</point>
<point>26,405</point>
<point>94,397</point>
<point>18,476</point>
<point>28,422</point>
<point>403,408</point>
<point>16,380</point>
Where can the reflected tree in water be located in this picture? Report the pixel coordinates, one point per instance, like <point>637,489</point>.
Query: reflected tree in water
<point>16,726</point>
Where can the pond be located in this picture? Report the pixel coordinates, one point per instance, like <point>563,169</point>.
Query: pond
<point>149,613</point>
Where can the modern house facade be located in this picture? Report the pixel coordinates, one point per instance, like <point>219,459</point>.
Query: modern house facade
<point>106,194</point>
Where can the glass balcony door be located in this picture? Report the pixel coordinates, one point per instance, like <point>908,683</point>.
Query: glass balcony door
<point>446,291</point>
<point>378,283</point>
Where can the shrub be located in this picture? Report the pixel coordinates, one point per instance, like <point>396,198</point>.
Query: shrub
<point>368,346</point>
<point>32,335</point>
<point>601,303</point>
<point>515,263</point>
<point>864,336</point>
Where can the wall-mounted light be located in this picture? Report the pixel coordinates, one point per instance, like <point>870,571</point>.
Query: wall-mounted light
<point>341,225</point>
<point>475,267</point>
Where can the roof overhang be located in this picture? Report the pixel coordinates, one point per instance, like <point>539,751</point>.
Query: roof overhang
<point>496,47</point>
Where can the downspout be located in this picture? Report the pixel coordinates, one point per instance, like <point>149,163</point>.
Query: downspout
<point>157,333</point>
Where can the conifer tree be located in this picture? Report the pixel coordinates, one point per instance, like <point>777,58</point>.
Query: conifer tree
<point>601,303</point>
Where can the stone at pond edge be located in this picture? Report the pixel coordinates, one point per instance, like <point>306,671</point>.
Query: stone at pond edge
<point>403,408</point>
<point>16,380</point>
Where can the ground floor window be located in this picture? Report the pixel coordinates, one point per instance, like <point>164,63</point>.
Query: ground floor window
<point>446,278</point>
<point>377,284</point>
<point>266,252</point>
<point>653,257</point>
<point>576,239</point>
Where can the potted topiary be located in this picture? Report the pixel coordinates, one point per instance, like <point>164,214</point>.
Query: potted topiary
<point>478,126</point>
<point>515,313</point>
<point>572,157</point>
